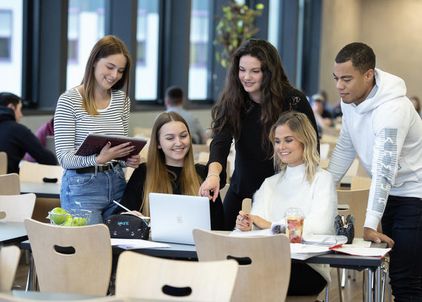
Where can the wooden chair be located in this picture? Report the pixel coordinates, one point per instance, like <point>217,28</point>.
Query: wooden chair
<point>142,132</point>
<point>357,199</point>
<point>35,172</point>
<point>38,173</point>
<point>9,184</point>
<point>264,270</point>
<point>9,260</point>
<point>146,277</point>
<point>71,259</point>
<point>55,297</point>
<point>17,207</point>
<point>3,163</point>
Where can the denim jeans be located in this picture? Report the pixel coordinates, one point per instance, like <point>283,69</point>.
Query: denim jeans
<point>93,191</point>
<point>402,222</point>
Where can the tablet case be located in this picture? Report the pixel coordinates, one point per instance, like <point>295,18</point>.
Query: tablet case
<point>93,144</point>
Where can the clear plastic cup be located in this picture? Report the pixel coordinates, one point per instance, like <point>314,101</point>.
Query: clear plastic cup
<point>294,227</point>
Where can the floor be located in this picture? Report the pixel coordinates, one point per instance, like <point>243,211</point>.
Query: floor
<point>351,293</point>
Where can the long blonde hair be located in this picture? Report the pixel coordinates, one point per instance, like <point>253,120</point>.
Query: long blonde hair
<point>106,46</point>
<point>157,175</point>
<point>305,133</point>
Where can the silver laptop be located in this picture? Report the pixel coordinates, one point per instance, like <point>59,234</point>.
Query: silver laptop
<point>173,217</point>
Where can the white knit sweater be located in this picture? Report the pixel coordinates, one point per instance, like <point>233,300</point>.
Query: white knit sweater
<point>317,200</point>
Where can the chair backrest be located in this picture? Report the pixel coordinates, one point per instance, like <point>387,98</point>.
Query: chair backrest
<point>141,276</point>
<point>3,162</point>
<point>30,296</point>
<point>142,132</point>
<point>9,184</point>
<point>357,199</point>
<point>9,260</point>
<point>35,172</point>
<point>71,259</point>
<point>17,207</point>
<point>264,263</point>
<point>360,182</point>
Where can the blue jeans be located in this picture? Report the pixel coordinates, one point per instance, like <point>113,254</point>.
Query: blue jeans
<point>93,191</point>
<point>402,222</point>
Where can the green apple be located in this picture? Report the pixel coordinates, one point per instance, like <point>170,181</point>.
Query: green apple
<point>79,221</point>
<point>69,221</point>
<point>58,215</point>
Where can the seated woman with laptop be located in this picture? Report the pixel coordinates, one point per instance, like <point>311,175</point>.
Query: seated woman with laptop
<point>300,184</point>
<point>169,169</point>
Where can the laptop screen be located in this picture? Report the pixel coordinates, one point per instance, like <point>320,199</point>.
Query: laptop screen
<point>173,217</point>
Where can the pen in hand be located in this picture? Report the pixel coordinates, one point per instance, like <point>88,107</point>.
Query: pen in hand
<point>130,211</point>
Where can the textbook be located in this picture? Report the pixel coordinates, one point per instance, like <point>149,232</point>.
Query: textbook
<point>93,144</point>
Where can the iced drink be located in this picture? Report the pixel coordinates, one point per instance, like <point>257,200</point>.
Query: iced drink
<point>294,229</point>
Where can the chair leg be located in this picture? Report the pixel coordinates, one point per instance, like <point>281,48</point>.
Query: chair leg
<point>343,277</point>
<point>339,285</point>
<point>31,280</point>
<point>327,293</point>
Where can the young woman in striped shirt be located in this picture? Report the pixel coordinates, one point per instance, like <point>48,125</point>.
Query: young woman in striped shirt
<point>99,106</point>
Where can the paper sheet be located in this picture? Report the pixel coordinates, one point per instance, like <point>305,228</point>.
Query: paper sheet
<point>137,244</point>
<point>363,251</point>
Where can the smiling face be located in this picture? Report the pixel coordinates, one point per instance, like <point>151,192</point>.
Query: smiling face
<point>174,140</point>
<point>353,85</point>
<point>109,70</point>
<point>287,147</point>
<point>250,75</point>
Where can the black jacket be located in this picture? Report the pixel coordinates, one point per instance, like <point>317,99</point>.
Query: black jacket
<point>16,140</point>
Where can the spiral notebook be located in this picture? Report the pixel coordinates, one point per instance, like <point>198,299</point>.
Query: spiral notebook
<point>173,217</point>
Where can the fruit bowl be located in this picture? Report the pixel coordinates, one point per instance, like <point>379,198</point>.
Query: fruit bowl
<point>73,217</point>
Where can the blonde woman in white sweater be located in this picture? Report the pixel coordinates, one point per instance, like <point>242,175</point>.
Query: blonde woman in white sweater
<point>300,183</point>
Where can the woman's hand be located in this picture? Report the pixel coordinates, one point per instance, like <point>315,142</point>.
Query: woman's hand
<point>109,153</point>
<point>244,221</point>
<point>133,161</point>
<point>210,187</point>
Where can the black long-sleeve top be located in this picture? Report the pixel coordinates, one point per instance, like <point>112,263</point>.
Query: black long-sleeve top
<point>134,192</point>
<point>252,162</point>
<point>16,140</point>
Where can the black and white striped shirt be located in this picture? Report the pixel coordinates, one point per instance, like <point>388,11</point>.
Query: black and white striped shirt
<point>72,124</point>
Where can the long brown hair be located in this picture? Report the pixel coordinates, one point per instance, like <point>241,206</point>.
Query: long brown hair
<point>106,46</point>
<point>234,100</point>
<point>157,176</point>
<point>305,132</point>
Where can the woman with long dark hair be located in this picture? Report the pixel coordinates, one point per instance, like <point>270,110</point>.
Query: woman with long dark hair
<point>256,92</point>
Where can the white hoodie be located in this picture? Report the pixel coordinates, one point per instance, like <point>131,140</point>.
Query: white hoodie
<point>386,133</point>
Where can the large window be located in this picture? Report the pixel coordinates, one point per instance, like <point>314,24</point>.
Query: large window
<point>5,35</point>
<point>147,36</point>
<point>86,26</point>
<point>11,45</point>
<point>199,49</point>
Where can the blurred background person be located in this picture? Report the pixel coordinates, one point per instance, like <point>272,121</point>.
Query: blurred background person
<point>46,130</point>
<point>16,139</point>
<point>174,101</point>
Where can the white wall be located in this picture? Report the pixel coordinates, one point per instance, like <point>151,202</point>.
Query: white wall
<point>391,27</point>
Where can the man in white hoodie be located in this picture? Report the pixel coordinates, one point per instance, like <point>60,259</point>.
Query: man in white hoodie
<point>381,127</point>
